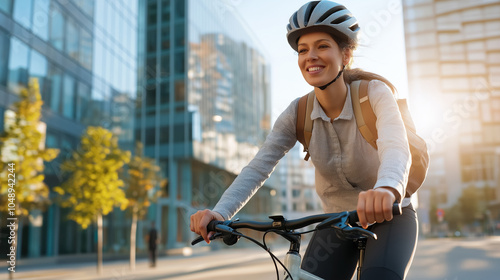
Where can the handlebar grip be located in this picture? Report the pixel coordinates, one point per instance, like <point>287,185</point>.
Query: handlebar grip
<point>212,225</point>
<point>396,211</point>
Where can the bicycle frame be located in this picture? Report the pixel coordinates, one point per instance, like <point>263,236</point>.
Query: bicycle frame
<point>292,263</point>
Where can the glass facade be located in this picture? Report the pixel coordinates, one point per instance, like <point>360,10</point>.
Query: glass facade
<point>229,89</point>
<point>84,54</point>
<point>204,106</point>
<point>453,49</point>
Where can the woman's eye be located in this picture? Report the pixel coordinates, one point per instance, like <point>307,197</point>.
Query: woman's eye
<point>323,46</point>
<point>302,51</point>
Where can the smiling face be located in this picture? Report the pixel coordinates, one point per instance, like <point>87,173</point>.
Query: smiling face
<point>320,58</point>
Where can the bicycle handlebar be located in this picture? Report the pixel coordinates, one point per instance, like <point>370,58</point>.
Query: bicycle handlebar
<point>280,223</point>
<point>396,211</point>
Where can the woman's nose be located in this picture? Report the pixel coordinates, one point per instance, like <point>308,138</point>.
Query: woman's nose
<point>311,55</point>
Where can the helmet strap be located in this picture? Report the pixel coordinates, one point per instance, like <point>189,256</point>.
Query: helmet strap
<point>333,81</point>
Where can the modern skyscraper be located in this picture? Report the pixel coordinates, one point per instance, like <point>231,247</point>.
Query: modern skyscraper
<point>205,106</point>
<point>83,53</point>
<point>453,57</point>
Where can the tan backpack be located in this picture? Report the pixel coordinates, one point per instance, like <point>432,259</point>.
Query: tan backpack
<point>366,119</point>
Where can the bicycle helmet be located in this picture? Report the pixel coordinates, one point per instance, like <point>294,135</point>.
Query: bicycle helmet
<point>324,16</point>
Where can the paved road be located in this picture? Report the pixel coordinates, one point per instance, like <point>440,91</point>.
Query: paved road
<point>457,259</point>
<point>436,259</point>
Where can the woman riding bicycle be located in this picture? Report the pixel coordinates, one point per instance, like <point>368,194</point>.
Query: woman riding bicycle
<point>350,173</point>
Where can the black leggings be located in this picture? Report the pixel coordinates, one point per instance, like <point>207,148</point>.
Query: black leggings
<point>389,257</point>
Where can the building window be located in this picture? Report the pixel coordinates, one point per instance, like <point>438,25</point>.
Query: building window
<point>152,9</point>
<point>85,52</point>
<point>180,63</point>
<point>72,40</point>
<point>164,93</point>
<point>151,96</point>
<point>164,135</point>
<point>4,56</point>
<point>165,37</point>
<point>98,59</point>
<point>87,6</point>
<point>151,40</point>
<point>68,96</point>
<point>22,12</point>
<point>82,101</point>
<point>180,9</point>
<point>57,23</point>
<point>165,15</point>
<point>18,66</point>
<point>55,79</point>
<point>38,69</point>
<point>150,136</point>
<point>180,90</point>
<point>179,35</point>
<point>151,68</point>
<point>41,18</point>
<point>6,6</point>
<point>165,66</point>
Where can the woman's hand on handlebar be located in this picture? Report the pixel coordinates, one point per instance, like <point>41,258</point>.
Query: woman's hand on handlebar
<point>375,206</point>
<point>200,220</point>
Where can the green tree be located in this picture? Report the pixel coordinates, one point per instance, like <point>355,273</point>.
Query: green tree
<point>93,187</point>
<point>454,218</point>
<point>143,176</point>
<point>22,156</point>
<point>469,204</point>
<point>22,144</point>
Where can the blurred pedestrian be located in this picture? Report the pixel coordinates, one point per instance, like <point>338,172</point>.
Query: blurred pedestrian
<point>152,244</point>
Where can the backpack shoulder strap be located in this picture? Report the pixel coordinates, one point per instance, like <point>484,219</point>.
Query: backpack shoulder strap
<point>301,118</point>
<point>304,123</point>
<point>365,117</point>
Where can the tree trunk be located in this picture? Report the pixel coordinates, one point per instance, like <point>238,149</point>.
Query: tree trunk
<point>133,232</point>
<point>99,243</point>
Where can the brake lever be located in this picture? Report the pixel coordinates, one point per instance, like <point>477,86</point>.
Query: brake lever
<point>217,235</point>
<point>339,221</point>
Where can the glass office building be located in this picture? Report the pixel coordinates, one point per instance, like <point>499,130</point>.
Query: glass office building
<point>84,54</point>
<point>453,58</point>
<point>205,109</point>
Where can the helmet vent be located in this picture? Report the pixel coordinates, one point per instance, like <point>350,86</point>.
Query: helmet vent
<point>295,20</point>
<point>330,12</point>
<point>354,28</point>
<point>341,19</point>
<point>309,11</point>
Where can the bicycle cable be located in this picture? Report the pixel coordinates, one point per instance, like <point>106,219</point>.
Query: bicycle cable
<point>274,261</point>
<point>273,257</point>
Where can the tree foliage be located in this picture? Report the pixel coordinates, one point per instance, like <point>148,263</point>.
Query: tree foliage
<point>94,187</point>
<point>143,176</point>
<point>469,204</point>
<point>23,143</point>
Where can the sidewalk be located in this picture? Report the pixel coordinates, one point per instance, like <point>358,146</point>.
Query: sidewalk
<point>167,267</point>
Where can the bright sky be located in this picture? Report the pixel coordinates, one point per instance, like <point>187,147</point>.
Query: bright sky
<point>382,49</point>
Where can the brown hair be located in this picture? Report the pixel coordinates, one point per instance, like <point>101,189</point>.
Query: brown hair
<point>355,74</point>
<point>359,74</point>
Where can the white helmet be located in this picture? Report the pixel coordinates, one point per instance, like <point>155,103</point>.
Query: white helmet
<point>324,16</point>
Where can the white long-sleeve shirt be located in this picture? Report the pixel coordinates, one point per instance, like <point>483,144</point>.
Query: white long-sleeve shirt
<point>345,163</point>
